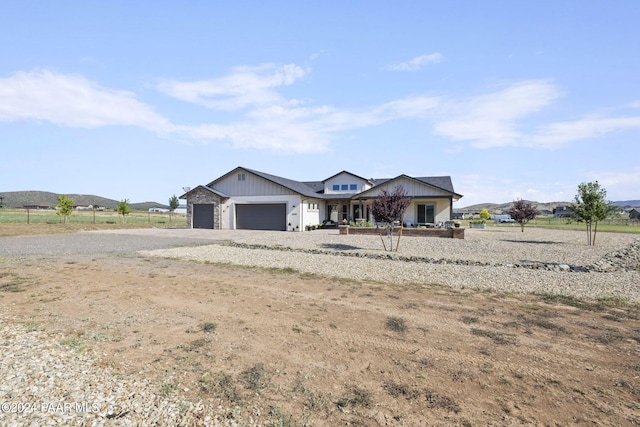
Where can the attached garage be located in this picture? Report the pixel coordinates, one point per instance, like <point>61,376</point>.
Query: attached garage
<point>203,215</point>
<point>261,217</point>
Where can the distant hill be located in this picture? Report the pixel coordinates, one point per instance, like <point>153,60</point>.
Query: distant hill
<point>498,208</point>
<point>628,203</point>
<point>18,199</point>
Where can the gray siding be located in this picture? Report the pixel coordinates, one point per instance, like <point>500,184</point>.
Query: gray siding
<point>251,186</point>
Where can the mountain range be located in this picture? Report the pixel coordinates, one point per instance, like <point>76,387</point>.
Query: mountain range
<point>550,206</point>
<point>18,199</point>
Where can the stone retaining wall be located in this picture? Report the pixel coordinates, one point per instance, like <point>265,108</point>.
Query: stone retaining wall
<point>452,233</point>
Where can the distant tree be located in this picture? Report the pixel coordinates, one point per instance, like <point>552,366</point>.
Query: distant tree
<point>173,205</point>
<point>522,212</point>
<point>389,208</point>
<point>173,202</point>
<point>590,207</point>
<point>65,206</point>
<point>123,208</point>
<point>484,215</point>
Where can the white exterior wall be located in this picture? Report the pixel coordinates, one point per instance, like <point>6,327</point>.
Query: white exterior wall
<point>313,216</point>
<point>441,210</point>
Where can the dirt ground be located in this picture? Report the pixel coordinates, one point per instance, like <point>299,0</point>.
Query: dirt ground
<point>296,349</point>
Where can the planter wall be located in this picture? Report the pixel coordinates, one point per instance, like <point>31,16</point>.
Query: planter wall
<point>451,233</point>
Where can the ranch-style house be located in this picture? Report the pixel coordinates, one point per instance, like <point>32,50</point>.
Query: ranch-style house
<point>252,200</point>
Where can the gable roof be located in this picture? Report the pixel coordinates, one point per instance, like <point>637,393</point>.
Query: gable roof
<point>206,188</point>
<point>315,189</point>
<point>440,182</point>
<point>295,186</point>
<point>349,173</point>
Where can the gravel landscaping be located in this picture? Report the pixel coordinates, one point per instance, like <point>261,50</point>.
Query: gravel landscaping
<point>502,259</point>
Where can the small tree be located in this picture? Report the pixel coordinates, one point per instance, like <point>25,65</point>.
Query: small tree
<point>65,206</point>
<point>389,207</point>
<point>522,212</point>
<point>590,207</point>
<point>123,208</point>
<point>484,215</point>
<point>173,203</point>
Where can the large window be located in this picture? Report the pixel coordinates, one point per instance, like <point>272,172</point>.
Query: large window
<point>344,187</point>
<point>426,214</point>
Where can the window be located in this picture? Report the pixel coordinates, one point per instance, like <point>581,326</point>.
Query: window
<point>353,187</point>
<point>336,187</point>
<point>313,207</point>
<point>241,177</point>
<point>344,187</point>
<point>426,214</point>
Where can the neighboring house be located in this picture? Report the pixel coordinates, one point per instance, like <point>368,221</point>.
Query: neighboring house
<point>38,206</point>
<point>248,199</point>
<point>182,210</point>
<point>634,214</point>
<point>562,212</point>
<point>83,207</point>
<point>457,215</point>
<point>158,209</point>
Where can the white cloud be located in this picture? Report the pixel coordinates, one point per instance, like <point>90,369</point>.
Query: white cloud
<point>244,87</point>
<point>316,55</point>
<point>561,133</point>
<point>73,101</point>
<point>283,131</point>
<point>266,119</point>
<point>492,120</point>
<point>416,63</point>
<point>619,184</point>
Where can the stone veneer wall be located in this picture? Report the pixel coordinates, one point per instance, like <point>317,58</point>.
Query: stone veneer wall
<point>455,233</point>
<point>198,197</point>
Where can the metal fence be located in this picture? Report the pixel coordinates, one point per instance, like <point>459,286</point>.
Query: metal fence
<point>50,216</point>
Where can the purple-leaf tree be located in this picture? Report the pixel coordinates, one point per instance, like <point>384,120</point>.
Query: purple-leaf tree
<point>522,212</point>
<point>389,208</point>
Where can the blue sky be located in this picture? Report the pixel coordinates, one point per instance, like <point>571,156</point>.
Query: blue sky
<point>138,99</point>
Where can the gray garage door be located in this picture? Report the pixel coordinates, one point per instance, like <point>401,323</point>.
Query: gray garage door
<point>261,217</point>
<point>203,216</point>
